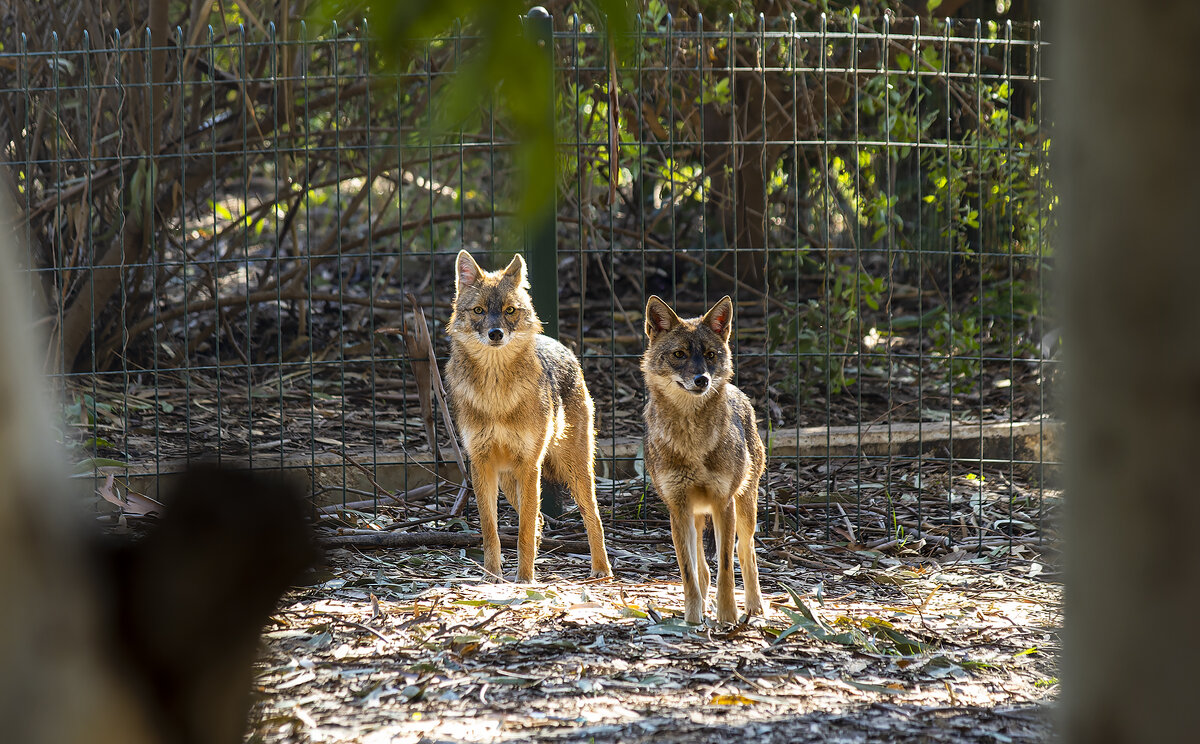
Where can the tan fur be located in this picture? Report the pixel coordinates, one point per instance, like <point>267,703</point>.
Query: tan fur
<point>522,408</point>
<point>703,452</point>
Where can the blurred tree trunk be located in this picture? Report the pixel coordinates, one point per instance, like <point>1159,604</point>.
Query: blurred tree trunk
<point>1130,193</point>
<point>740,172</point>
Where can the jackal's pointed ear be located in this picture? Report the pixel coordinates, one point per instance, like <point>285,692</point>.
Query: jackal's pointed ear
<point>659,317</point>
<point>468,271</point>
<point>516,270</point>
<point>720,317</point>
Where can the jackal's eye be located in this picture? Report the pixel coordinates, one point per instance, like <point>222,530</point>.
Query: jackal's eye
<point>679,353</point>
<point>478,311</point>
<point>510,310</point>
<point>710,355</point>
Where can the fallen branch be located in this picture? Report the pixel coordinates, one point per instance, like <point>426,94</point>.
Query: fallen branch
<point>399,498</point>
<point>417,338</point>
<point>441,540</point>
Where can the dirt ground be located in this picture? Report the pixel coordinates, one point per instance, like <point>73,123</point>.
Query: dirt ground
<point>859,646</point>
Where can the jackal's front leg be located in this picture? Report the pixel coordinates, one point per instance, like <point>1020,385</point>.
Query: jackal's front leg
<point>723,526</point>
<point>747,518</point>
<point>485,483</point>
<point>683,534</point>
<point>528,521</point>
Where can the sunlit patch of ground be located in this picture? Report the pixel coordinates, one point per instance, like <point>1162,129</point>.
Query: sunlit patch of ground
<point>412,646</point>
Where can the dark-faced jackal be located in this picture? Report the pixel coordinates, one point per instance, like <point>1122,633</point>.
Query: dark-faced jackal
<point>522,409</point>
<point>702,451</point>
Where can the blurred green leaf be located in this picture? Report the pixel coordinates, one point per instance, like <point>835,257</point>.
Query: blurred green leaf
<point>501,64</point>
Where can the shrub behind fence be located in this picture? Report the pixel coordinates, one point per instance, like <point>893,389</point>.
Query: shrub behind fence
<point>231,236</point>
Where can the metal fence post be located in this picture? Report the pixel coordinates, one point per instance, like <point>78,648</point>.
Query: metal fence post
<point>541,240</point>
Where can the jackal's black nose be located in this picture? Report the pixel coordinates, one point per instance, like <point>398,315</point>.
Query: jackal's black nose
<point>496,334</point>
<point>701,381</point>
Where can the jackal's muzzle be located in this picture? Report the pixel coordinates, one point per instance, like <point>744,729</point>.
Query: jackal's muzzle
<point>698,385</point>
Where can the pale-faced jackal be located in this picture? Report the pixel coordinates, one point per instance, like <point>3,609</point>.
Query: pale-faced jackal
<point>522,409</point>
<point>702,451</point>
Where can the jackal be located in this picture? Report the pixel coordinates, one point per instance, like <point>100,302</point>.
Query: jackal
<point>522,409</point>
<point>703,453</point>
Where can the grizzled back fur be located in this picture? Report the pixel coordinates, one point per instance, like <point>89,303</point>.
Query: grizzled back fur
<point>492,307</point>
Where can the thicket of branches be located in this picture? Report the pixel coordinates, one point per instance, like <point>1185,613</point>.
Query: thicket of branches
<point>203,191</point>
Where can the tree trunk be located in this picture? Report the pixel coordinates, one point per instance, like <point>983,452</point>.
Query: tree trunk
<point>739,172</point>
<point>1129,190</point>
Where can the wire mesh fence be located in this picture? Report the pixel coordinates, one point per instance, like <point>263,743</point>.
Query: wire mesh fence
<point>241,245</point>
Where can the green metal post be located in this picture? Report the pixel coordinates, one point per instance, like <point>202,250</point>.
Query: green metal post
<point>541,240</point>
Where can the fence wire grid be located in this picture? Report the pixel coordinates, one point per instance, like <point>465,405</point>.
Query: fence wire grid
<point>232,236</point>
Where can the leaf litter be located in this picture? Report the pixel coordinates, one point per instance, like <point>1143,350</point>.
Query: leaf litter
<point>919,642</point>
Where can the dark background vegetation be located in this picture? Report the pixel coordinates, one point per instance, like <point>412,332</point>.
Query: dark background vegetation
<point>237,193</point>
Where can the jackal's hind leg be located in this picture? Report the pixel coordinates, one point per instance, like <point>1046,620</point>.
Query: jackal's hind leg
<point>747,519</point>
<point>723,526</point>
<point>702,573</point>
<point>583,490</point>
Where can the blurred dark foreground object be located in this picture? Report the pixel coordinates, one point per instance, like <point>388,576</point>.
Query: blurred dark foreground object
<point>1129,270</point>
<point>164,629</point>
<point>106,640</point>
<point>189,600</point>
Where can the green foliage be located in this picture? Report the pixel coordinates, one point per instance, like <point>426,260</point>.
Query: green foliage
<point>820,334</point>
<point>991,327</point>
<point>957,345</point>
<point>502,64</point>
<point>927,184</point>
<point>894,175</point>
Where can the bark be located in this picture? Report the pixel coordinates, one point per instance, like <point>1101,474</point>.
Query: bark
<point>739,172</point>
<point>1129,193</point>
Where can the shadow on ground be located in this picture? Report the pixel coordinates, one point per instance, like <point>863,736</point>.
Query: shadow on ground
<point>410,646</point>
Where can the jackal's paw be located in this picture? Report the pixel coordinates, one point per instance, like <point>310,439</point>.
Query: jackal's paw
<point>492,573</point>
<point>755,607</point>
<point>525,577</point>
<point>602,572</point>
<point>727,615</point>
